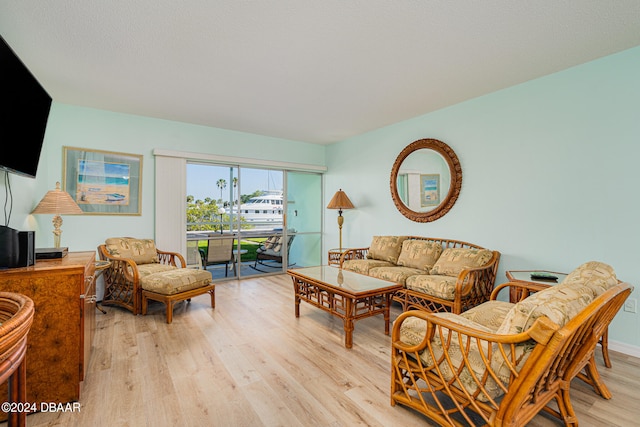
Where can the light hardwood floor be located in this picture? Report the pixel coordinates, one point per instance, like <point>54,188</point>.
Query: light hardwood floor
<point>250,362</point>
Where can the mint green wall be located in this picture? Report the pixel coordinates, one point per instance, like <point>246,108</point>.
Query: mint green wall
<point>97,129</point>
<point>550,175</point>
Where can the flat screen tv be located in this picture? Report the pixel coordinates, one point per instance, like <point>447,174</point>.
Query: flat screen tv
<point>25,110</point>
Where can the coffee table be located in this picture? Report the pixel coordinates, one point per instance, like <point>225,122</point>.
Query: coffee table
<point>345,294</point>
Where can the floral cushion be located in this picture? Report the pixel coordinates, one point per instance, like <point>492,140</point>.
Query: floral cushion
<point>421,254</point>
<point>141,251</point>
<point>454,260</point>
<point>175,281</point>
<point>149,269</point>
<point>363,266</point>
<point>386,248</point>
<point>437,286</point>
<point>394,274</point>
<point>490,314</point>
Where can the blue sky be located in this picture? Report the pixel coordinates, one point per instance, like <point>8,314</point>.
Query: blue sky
<point>201,180</point>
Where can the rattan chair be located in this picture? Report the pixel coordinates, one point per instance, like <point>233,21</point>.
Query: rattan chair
<point>16,318</point>
<point>139,271</point>
<point>458,374</point>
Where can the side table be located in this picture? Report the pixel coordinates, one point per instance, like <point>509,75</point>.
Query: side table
<point>524,276</point>
<point>335,254</point>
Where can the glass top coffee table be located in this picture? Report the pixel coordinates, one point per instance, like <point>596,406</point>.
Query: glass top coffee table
<point>345,294</point>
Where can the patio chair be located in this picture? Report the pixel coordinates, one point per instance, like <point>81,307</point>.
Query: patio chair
<point>220,251</point>
<point>272,250</point>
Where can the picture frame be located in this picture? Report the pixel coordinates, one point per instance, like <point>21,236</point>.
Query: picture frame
<point>103,182</point>
<point>429,190</point>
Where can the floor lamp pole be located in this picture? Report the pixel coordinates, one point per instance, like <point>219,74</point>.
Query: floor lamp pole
<point>340,222</point>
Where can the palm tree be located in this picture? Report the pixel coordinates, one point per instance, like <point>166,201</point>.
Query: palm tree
<point>235,189</point>
<point>222,184</point>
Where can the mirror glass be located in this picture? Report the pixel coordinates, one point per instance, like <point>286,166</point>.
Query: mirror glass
<point>425,180</point>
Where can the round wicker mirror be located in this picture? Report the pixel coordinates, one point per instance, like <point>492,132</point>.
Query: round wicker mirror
<point>426,179</point>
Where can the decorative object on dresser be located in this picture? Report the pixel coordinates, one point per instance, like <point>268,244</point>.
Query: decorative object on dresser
<point>340,201</point>
<point>16,318</point>
<point>59,343</point>
<point>502,363</point>
<point>436,274</point>
<point>57,202</point>
<point>139,272</point>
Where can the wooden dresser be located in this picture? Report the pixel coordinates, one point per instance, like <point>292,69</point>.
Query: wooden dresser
<point>59,342</point>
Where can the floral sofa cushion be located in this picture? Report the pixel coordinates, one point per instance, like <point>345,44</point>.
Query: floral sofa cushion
<point>386,248</point>
<point>142,251</point>
<point>393,273</point>
<point>454,260</point>
<point>421,254</point>
<point>437,286</point>
<point>490,314</point>
<point>363,266</point>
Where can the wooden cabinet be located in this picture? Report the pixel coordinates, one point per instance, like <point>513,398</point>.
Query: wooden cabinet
<point>59,342</point>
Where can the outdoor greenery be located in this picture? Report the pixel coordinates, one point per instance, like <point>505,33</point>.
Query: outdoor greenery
<point>204,215</point>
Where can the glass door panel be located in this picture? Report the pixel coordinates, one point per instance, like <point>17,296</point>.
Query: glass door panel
<point>304,218</point>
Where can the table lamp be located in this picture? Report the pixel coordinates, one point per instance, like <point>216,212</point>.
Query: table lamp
<point>340,201</point>
<point>57,202</point>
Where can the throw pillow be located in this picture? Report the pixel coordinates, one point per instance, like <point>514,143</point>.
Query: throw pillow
<point>421,254</point>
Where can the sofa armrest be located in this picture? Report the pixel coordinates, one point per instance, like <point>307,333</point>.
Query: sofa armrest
<point>353,253</point>
<point>474,285</point>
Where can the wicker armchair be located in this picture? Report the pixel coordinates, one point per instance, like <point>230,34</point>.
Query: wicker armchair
<point>16,318</point>
<point>457,371</point>
<point>473,285</point>
<point>139,271</point>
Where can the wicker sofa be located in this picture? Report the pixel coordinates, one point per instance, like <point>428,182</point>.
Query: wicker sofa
<point>437,274</point>
<point>501,363</point>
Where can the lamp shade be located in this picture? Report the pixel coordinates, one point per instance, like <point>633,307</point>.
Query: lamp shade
<point>57,202</point>
<point>340,201</point>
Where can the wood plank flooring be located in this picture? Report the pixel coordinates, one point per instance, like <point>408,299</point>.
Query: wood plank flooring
<point>251,362</point>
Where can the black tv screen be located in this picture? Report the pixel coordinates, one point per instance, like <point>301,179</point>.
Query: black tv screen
<point>25,110</point>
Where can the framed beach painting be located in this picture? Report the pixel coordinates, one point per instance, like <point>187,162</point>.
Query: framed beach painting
<point>429,190</point>
<point>103,182</point>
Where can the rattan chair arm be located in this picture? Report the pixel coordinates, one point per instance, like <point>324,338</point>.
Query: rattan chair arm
<point>127,266</point>
<point>166,257</point>
<point>525,287</point>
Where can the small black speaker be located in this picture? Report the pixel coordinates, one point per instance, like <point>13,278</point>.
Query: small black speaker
<point>27,244</point>
<point>9,247</point>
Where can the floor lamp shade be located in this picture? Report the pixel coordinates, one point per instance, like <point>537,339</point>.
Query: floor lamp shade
<point>340,201</point>
<point>57,202</point>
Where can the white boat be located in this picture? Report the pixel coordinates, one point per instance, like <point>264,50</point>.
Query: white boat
<point>267,207</point>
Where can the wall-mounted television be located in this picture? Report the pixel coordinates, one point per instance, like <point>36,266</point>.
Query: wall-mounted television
<point>25,110</point>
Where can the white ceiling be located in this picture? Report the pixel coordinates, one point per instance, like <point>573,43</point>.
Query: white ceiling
<point>317,71</point>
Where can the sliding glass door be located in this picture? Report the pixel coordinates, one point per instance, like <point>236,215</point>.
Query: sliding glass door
<point>247,221</point>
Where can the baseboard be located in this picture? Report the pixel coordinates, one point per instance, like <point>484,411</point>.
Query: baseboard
<point>620,347</point>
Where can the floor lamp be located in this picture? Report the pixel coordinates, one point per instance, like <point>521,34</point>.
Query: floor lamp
<point>340,201</point>
<point>57,202</point>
